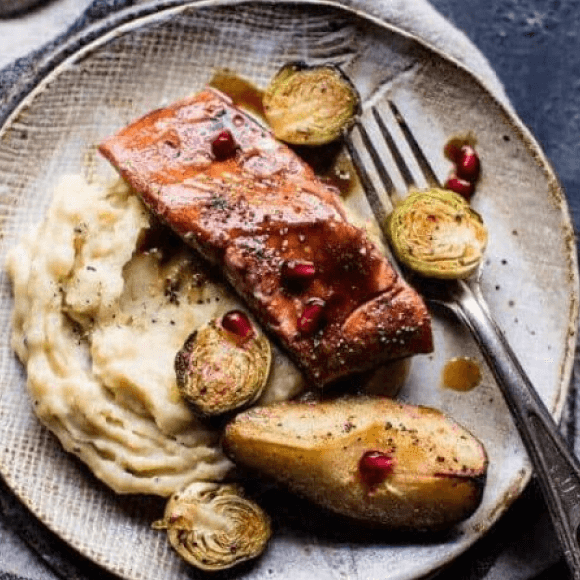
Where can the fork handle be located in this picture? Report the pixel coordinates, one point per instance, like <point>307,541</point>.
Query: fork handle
<point>556,467</point>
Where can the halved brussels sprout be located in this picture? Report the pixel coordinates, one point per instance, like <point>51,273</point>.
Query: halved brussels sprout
<point>437,234</point>
<point>223,366</point>
<point>310,105</point>
<point>213,526</point>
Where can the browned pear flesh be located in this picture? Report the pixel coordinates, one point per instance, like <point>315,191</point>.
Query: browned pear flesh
<point>373,460</point>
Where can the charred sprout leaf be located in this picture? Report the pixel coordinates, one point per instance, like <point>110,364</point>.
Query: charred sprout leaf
<point>437,234</point>
<point>310,105</point>
<point>219,371</point>
<point>214,527</point>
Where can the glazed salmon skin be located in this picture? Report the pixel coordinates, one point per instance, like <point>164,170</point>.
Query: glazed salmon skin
<point>248,203</point>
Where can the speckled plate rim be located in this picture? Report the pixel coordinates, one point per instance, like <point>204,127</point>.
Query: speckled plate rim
<point>84,40</point>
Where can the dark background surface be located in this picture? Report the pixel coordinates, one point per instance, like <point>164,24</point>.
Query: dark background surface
<point>534,47</point>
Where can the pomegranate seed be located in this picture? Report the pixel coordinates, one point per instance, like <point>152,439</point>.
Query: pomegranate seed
<point>468,163</point>
<point>223,146</point>
<point>452,151</point>
<point>298,271</point>
<point>375,466</point>
<point>311,316</point>
<point>461,186</point>
<point>236,322</point>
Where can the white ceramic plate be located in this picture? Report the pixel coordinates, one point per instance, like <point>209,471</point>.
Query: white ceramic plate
<point>143,59</point>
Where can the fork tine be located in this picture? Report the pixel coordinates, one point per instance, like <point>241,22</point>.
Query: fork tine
<point>374,154</point>
<point>398,158</point>
<point>372,194</point>
<point>415,147</point>
<point>375,148</point>
<point>367,149</point>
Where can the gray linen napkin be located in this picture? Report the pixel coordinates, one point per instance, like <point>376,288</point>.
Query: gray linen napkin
<point>519,547</point>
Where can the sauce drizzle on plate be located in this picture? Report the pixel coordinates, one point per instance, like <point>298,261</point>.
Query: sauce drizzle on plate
<point>461,374</point>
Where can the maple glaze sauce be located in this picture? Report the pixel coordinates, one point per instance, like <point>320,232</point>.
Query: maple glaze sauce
<point>243,93</point>
<point>461,374</point>
<point>329,162</point>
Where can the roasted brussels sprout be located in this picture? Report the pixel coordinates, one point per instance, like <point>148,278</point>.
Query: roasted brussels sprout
<point>223,366</point>
<point>213,526</point>
<point>310,105</point>
<point>437,234</point>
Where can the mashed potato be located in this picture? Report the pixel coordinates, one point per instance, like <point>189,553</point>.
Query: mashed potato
<point>104,299</point>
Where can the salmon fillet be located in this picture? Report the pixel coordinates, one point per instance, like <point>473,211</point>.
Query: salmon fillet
<point>279,234</point>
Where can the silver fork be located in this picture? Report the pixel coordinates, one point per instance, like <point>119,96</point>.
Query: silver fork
<point>556,467</point>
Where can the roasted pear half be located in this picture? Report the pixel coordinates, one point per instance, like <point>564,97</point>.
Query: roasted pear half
<point>373,460</point>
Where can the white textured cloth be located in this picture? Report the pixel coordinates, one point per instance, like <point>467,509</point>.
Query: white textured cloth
<point>30,31</point>
<point>420,19</point>
<point>19,35</point>
<point>22,34</point>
